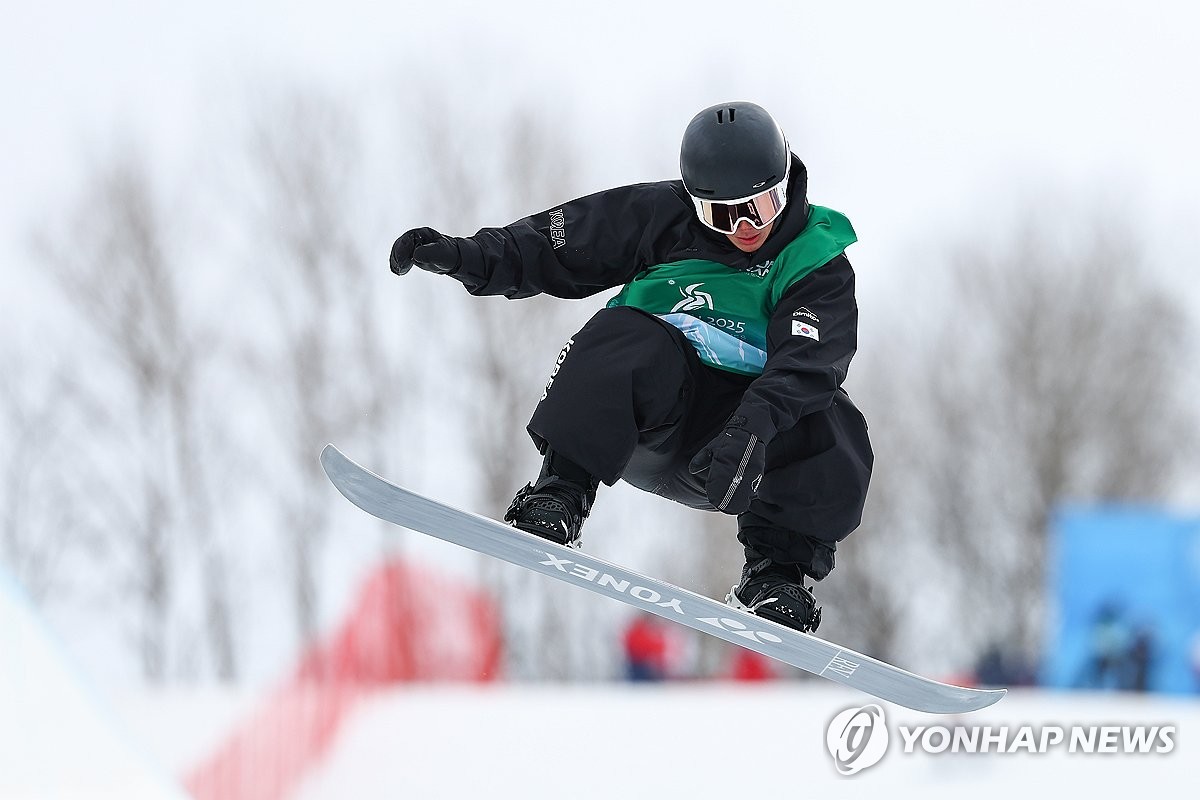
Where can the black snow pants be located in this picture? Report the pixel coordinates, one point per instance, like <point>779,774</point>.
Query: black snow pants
<point>630,400</point>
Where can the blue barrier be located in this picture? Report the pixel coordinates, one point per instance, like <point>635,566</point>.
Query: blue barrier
<point>1117,574</point>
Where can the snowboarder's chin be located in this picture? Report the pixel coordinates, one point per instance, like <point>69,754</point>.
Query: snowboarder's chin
<point>748,245</point>
<point>748,238</point>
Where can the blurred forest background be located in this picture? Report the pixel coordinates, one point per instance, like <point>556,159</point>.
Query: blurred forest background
<point>207,330</point>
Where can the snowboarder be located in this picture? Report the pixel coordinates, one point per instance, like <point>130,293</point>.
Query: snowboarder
<point>713,377</point>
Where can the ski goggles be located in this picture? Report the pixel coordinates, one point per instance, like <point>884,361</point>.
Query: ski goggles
<point>760,210</point>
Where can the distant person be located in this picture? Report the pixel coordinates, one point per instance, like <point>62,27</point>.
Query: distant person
<point>646,644</point>
<point>1000,666</point>
<point>714,376</point>
<point>1139,661</point>
<point>1195,659</point>
<point>747,666</point>
<point>1109,644</point>
<point>992,668</point>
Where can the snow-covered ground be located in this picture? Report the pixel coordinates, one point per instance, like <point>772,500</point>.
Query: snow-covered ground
<point>58,736</point>
<point>684,740</point>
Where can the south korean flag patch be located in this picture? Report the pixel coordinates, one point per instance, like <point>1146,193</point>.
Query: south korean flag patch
<point>804,329</point>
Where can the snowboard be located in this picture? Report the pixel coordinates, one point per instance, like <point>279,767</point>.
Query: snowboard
<point>415,512</point>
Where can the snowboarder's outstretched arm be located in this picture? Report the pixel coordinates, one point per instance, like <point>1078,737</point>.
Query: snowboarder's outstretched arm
<point>574,250</point>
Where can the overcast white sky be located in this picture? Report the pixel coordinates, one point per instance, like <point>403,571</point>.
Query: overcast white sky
<point>921,120</point>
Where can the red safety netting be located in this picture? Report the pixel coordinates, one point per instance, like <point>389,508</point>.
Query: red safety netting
<point>407,625</point>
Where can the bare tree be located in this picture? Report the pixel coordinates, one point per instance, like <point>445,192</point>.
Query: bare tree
<point>331,371</point>
<point>40,523</point>
<point>509,352</point>
<point>118,270</point>
<point>1048,372</point>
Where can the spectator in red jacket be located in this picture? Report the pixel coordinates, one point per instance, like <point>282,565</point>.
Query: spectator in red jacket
<point>748,665</point>
<point>646,645</point>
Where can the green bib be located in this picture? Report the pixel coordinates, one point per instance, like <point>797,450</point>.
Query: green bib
<point>723,311</point>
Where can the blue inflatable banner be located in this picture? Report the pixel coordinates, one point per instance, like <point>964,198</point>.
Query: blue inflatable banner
<point>1125,600</point>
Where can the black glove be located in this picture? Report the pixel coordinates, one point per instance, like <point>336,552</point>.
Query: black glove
<point>427,249</point>
<point>735,460</point>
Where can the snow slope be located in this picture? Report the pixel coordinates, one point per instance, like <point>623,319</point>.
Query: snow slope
<point>57,738</point>
<point>716,741</point>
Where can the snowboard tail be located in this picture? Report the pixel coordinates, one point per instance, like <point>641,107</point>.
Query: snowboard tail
<point>407,509</point>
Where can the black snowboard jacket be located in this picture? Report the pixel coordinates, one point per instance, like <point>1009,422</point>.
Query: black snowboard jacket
<point>602,241</point>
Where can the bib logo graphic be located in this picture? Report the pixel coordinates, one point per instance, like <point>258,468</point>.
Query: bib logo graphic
<point>763,269</point>
<point>693,299</point>
<point>857,738</point>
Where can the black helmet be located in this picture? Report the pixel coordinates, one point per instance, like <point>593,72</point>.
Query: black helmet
<point>732,151</point>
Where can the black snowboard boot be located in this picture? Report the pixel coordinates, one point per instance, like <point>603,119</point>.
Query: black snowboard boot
<point>556,505</point>
<point>776,592</point>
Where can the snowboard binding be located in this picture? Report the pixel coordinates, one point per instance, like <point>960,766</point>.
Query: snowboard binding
<point>553,509</point>
<point>776,592</point>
